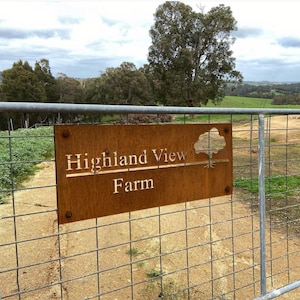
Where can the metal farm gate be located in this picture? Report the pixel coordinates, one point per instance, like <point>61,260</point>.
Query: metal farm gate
<point>240,246</point>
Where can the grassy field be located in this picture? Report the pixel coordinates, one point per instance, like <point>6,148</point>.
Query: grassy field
<point>243,102</point>
<point>246,102</point>
<point>232,102</point>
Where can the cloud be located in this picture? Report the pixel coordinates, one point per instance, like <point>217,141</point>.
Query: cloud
<point>272,69</point>
<point>11,33</point>
<point>83,38</point>
<point>246,32</point>
<point>289,42</point>
<point>69,20</point>
<point>109,21</point>
<point>84,67</point>
<point>277,64</point>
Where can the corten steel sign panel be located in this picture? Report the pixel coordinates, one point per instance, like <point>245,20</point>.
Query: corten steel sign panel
<point>108,169</point>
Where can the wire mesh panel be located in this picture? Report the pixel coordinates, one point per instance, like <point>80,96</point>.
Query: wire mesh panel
<point>203,249</point>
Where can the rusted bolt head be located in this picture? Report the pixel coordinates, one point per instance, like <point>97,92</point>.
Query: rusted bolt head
<point>227,189</point>
<point>68,214</point>
<point>65,133</point>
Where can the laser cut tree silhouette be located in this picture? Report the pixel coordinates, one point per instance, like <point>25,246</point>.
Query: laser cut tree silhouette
<point>210,143</point>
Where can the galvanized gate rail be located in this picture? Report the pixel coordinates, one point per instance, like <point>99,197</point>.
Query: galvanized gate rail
<point>27,107</point>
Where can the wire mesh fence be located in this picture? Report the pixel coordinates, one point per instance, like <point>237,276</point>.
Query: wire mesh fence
<point>203,249</point>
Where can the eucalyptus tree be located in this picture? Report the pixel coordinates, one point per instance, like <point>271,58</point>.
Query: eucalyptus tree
<point>69,89</point>
<point>20,83</point>
<point>93,90</point>
<point>125,85</point>
<point>190,57</point>
<point>48,82</point>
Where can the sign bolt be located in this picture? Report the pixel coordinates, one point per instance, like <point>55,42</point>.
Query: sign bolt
<point>68,214</point>
<point>227,189</point>
<point>65,133</point>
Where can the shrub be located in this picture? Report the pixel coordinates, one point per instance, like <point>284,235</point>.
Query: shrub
<point>20,152</point>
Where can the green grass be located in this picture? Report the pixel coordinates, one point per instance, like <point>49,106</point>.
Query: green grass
<point>281,198</point>
<point>232,102</point>
<point>110,118</point>
<point>242,102</point>
<point>275,187</point>
<point>153,273</point>
<point>247,102</point>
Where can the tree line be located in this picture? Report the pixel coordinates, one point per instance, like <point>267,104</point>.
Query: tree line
<point>280,93</point>
<point>190,62</point>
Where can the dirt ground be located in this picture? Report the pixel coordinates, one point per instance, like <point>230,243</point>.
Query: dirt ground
<point>233,263</point>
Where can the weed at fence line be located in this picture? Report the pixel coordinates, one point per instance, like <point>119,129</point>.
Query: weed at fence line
<point>168,290</point>
<point>133,252</point>
<point>280,191</point>
<point>153,273</point>
<point>276,186</point>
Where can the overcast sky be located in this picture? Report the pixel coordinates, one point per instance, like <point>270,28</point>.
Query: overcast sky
<point>82,38</point>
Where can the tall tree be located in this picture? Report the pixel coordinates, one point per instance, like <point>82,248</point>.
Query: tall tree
<point>20,83</point>
<point>94,90</point>
<point>190,57</point>
<point>125,85</point>
<point>69,89</point>
<point>43,72</point>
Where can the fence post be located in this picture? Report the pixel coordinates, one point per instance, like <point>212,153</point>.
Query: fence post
<point>262,204</point>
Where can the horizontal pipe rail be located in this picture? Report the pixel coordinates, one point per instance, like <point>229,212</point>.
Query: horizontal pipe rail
<point>281,291</point>
<point>124,109</point>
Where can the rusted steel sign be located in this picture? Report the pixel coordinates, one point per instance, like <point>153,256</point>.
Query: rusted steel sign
<point>108,169</point>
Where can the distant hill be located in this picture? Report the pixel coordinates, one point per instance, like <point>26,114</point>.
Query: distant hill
<point>264,89</point>
<point>269,83</point>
